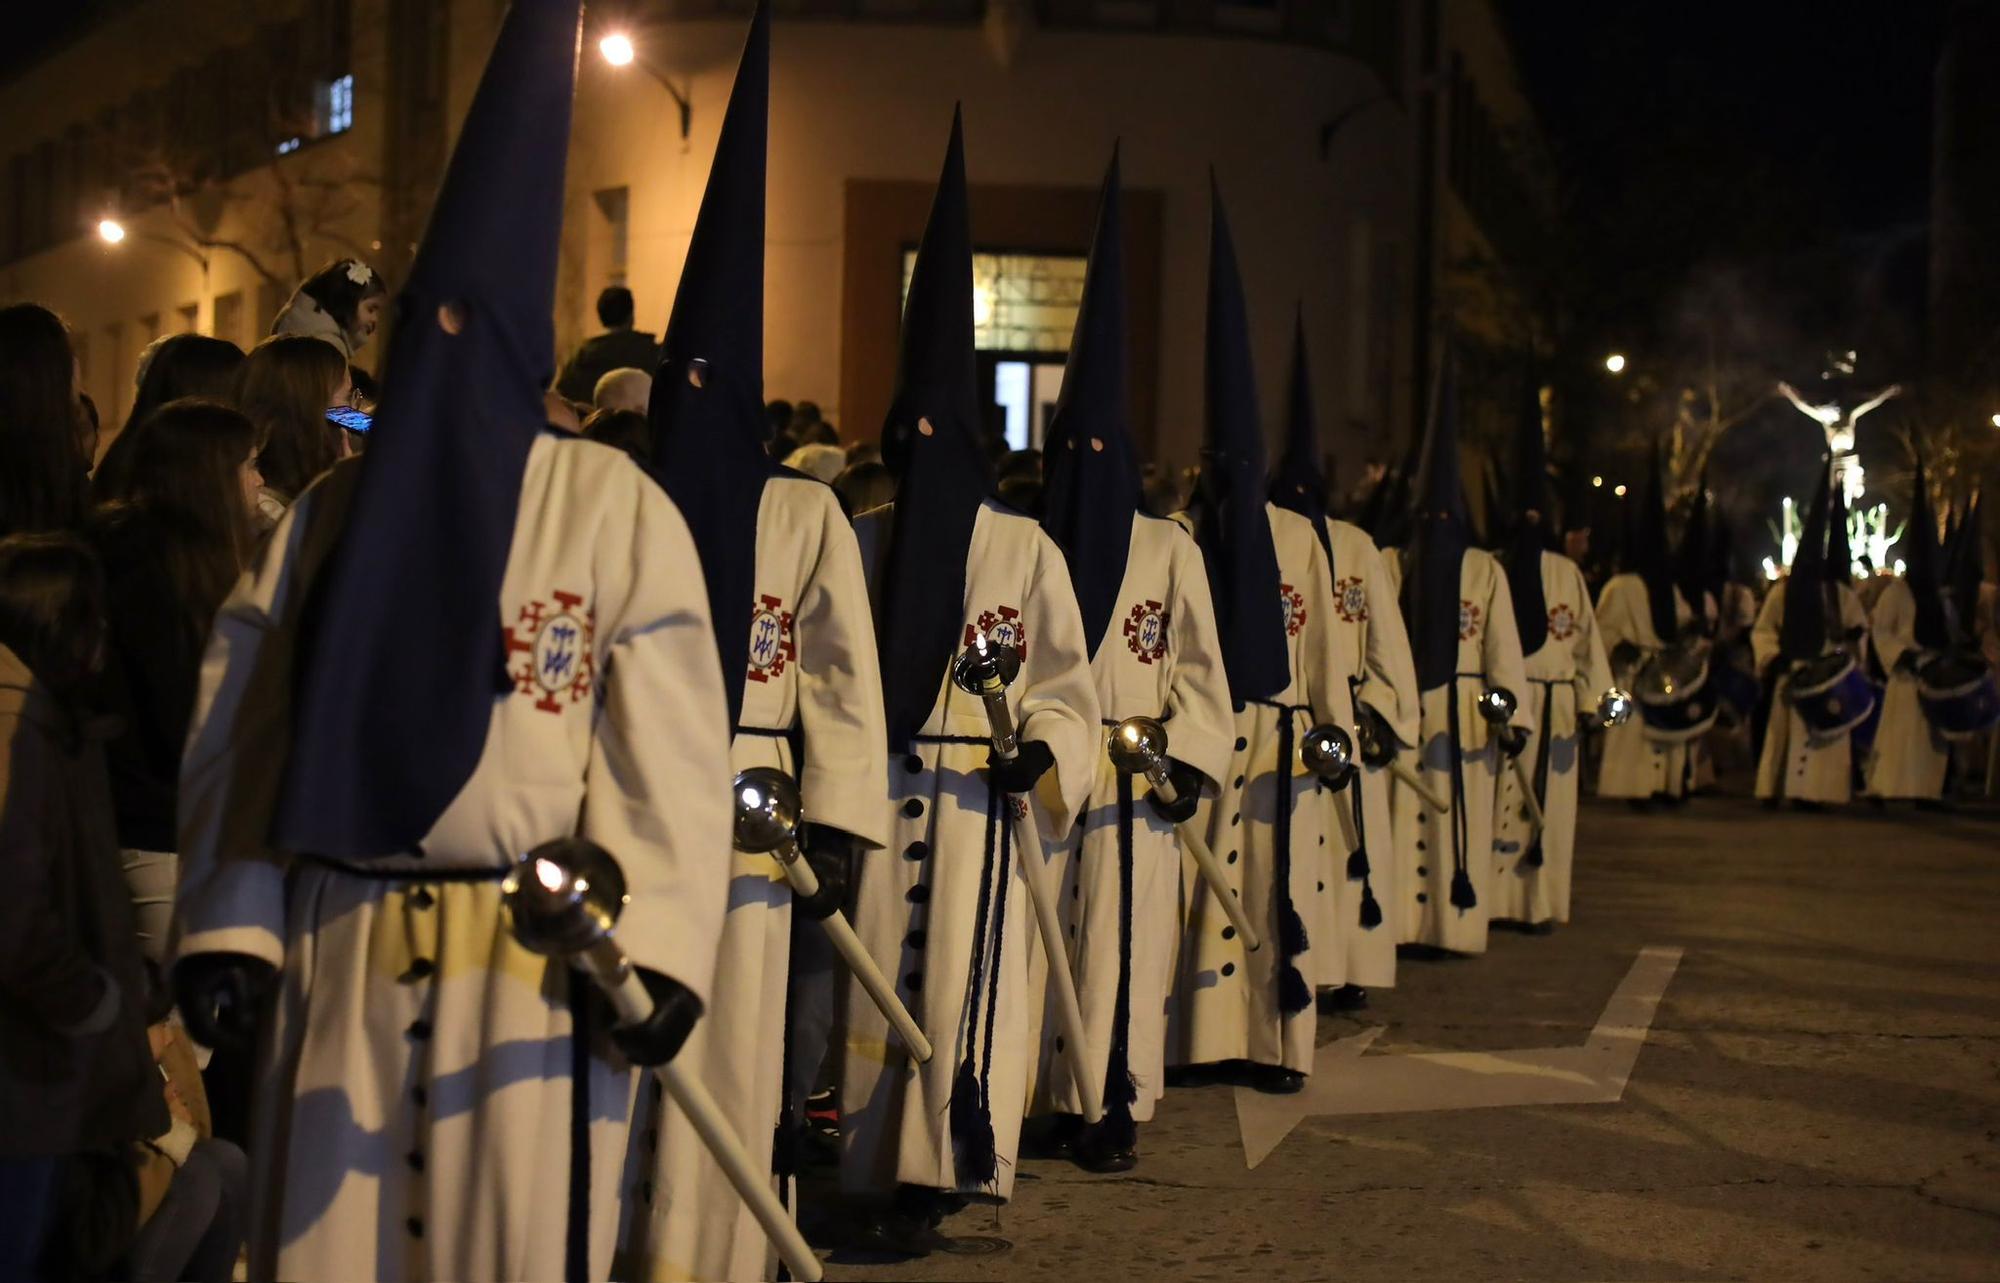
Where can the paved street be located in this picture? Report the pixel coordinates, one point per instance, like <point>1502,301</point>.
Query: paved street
<point>1817,1097</point>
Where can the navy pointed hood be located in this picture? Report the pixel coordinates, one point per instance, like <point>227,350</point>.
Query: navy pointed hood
<point>1298,483</point>
<point>1839,555</point>
<point>1230,522</point>
<point>1694,564</point>
<point>1092,484</point>
<point>1533,527</point>
<point>707,410</point>
<point>401,653</point>
<point>1802,633</point>
<point>931,440</point>
<point>1966,565</point>
<point>1651,556</point>
<point>1923,569</point>
<point>1434,558</point>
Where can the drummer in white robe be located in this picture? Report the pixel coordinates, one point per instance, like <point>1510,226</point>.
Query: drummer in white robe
<point>1143,591</point>
<point>433,1101</point>
<point>792,625</point>
<point>1910,623</point>
<point>1460,618</point>
<point>944,908</point>
<point>1252,1012</point>
<point>1361,871</point>
<point>1641,613</point>
<point>1793,628</point>
<point>1568,676</point>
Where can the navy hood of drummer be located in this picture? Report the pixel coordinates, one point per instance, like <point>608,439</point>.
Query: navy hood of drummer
<point>401,653</point>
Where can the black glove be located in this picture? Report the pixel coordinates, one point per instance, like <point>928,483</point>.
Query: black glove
<point>830,853</point>
<point>219,995</point>
<point>1378,743</point>
<point>1910,660</point>
<point>1028,766</point>
<point>1512,740</point>
<point>657,1039</point>
<point>1186,782</point>
<point>1625,655</point>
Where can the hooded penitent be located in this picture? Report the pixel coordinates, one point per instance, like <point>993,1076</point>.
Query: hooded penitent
<point>1534,525</point>
<point>707,410</point>
<point>1437,543</point>
<point>1230,524</point>
<point>1297,483</point>
<point>1649,553</point>
<point>1839,556</point>
<point>1922,569</point>
<point>1092,485</point>
<point>1694,564</point>
<point>400,654</point>
<point>931,441</point>
<point>1965,565</point>
<point>1802,633</point>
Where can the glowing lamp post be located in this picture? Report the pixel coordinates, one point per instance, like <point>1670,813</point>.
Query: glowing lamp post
<point>1615,363</point>
<point>619,50</point>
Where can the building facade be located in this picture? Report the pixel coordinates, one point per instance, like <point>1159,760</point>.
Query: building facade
<point>239,144</point>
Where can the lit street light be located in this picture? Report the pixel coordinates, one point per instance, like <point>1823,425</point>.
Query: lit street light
<point>1615,363</point>
<point>1597,482</point>
<point>617,49</point>
<point>1619,491</point>
<point>1996,420</point>
<point>110,230</point>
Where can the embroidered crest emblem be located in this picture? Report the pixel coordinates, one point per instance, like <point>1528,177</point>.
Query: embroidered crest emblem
<point>1562,621</point>
<point>1350,599</point>
<point>554,644</point>
<point>1295,609</point>
<point>1468,620</point>
<point>1146,631</point>
<point>772,645</point>
<point>1003,625</point>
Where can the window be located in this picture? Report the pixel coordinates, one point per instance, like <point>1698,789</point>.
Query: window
<point>1020,302</point>
<point>336,105</point>
<point>149,327</point>
<point>190,314</point>
<point>610,234</point>
<point>229,317</point>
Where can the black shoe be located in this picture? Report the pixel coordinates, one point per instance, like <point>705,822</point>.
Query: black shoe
<point>1051,1137</point>
<point>1934,805</point>
<point>1111,1146</point>
<point>1639,805</point>
<point>1810,808</point>
<point>1206,1075</point>
<point>1770,803</point>
<point>1275,1080</point>
<point>891,1233</point>
<point>1536,928</point>
<point>1343,998</point>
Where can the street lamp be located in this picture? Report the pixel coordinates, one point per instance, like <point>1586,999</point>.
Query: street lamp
<point>619,51</point>
<point>1996,420</point>
<point>1619,491</point>
<point>1615,363</point>
<point>110,230</point>
<point>1597,482</point>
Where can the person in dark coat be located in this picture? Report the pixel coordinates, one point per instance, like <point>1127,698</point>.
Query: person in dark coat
<point>76,1075</point>
<point>619,347</point>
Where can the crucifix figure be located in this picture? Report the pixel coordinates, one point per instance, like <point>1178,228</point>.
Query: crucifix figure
<point>1839,423</point>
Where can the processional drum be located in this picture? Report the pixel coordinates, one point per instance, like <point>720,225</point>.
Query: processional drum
<point>1676,703</point>
<point>1958,695</point>
<point>1831,694</point>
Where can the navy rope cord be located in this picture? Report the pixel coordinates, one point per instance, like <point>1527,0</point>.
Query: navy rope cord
<point>1358,866</point>
<point>1532,857</point>
<point>1294,994</point>
<point>1120,1092</point>
<point>1463,897</point>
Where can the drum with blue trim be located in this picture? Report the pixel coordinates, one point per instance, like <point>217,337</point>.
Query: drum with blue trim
<point>1676,703</point>
<point>1958,695</point>
<point>1831,694</point>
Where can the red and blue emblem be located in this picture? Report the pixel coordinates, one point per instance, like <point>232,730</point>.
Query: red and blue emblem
<point>554,641</point>
<point>1295,609</point>
<point>1003,626</point>
<point>1146,631</point>
<point>1469,616</point>
<point>1562,621</point>
<point>772,645</point>
<point>1350,599</point>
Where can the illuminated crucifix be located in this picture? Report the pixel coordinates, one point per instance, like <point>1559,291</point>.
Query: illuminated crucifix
<point>1839,425</point>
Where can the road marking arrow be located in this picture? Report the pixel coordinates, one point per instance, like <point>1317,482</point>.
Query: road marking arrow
<point>1343,1081</point>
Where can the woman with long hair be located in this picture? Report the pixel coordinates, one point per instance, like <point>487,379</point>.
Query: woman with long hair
<point>288,384</point>
<point>340,304</point>
<point>185,365</point>
<point>174,533</point>
<point>43,469</point>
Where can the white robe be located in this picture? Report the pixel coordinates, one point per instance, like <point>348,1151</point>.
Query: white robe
<point>1636,765</point>
<point>1566,678</point>
<point>1374,654</point>
<point>414,1112</point>
<point>918,908</point>
<point>1227,1006</point>
<point>1489,654</point>
<point>1160,657</point>
<point>811,670</point>
<point>1796,763</point>
<point>1909,758</point>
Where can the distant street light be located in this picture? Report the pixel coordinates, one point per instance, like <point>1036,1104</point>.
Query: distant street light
<point>1615,363</point>
<point>1597,482</point>
<point>1619,491</point>
<point>111,231</point>
<point>617,49</point>
<point>1996,420</point>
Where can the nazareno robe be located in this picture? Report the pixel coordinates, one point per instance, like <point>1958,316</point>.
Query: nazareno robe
<point>943,909</point>
<point>429,1106</point>
<point>1909,758</point>
<point>1636,766</point>
<point>1566,678</point>
<point>1796,763</point>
